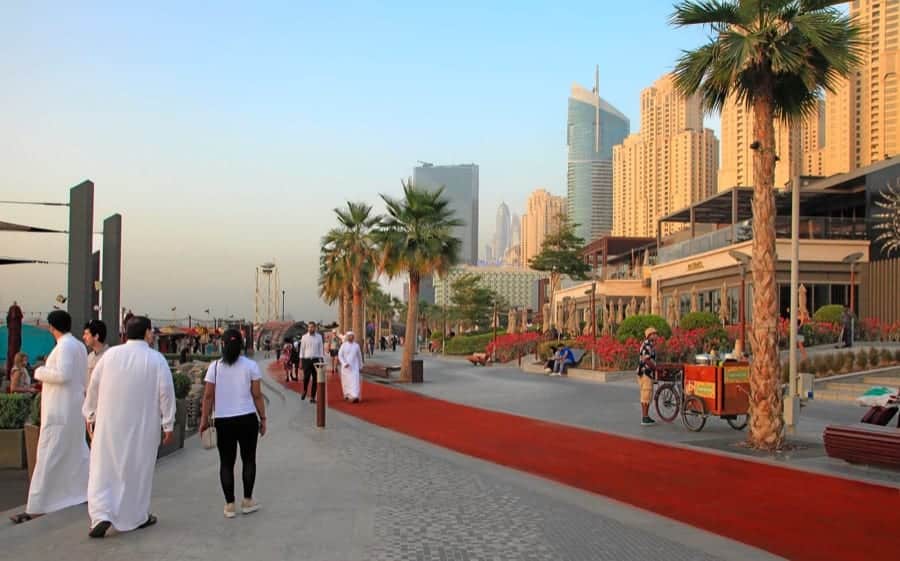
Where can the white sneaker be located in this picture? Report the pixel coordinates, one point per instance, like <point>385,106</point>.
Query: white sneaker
<point>229,510</point>
<point>249,506</point>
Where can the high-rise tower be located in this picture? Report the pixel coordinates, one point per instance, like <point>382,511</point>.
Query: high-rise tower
<point>460,183</point>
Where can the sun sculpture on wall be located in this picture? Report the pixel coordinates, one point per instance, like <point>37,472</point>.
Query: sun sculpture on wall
<point>887,220</point>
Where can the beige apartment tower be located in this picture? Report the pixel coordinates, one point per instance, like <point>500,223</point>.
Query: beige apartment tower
<point>863,115</point>
<point>671,163</point>
<point>543,214</point>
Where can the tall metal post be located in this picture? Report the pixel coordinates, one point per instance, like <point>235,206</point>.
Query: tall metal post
<point>321,394</point>
<point>81,231</point>
<point>792,400</point>
<point>111,286</point>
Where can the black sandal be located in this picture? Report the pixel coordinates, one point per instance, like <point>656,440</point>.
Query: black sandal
<point>151,520</point>
<point>20,518</point>
<point>99,531</point>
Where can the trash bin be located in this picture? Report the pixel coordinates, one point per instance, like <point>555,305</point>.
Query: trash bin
<point>417,372</point>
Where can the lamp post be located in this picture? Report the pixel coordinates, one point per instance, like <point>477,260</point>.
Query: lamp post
<point>851,260</point>
<point>743,264</point>
<point>593,292</point>
<point>283,292</point>
<point>494,340</point>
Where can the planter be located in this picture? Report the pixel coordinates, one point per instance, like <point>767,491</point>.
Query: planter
<point>32,434</point>
<point>180,420</point>
<point>12,449</point>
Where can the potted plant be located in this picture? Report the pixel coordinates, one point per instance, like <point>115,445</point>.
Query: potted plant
<point>14,410</point>
<point>33,433</point>
<point>182,383</point>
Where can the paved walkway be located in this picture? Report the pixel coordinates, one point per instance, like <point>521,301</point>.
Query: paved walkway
<point>614,407</point>
<point>355,491</point>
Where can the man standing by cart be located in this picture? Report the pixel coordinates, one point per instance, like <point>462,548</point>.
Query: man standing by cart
<point>646,372</point>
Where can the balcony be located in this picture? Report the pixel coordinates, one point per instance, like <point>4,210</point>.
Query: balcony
<point>811,228</point>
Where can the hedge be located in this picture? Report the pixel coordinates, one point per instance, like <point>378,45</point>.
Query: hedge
<point>697,320</point>
<point>633,327</point>
<point>14,410</point>
<point>182,383</point>
<point>468,344</point>
<point>829,314</point>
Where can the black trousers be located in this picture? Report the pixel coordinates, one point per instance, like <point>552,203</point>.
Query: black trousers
<point>309,373</point>
<point>231,432</point>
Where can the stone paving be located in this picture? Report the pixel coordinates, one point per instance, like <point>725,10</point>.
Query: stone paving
<point>355,491</point>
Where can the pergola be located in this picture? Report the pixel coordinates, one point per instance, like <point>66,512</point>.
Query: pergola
<point>613,249</point>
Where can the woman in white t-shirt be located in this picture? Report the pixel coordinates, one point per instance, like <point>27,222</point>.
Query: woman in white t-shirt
<point>233,393</point>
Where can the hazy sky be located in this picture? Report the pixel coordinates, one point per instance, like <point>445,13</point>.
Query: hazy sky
<point>225,132</point>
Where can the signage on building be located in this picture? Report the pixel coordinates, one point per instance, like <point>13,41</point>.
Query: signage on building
<point>695,266</point>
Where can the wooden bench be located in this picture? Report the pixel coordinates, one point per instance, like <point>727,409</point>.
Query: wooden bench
<point>864,443</point>
<point>379,370</point>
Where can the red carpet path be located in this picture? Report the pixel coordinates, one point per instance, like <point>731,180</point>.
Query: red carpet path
<point>791,513</point>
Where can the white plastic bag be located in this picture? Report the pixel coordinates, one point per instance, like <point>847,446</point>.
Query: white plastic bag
<point>878,395</point>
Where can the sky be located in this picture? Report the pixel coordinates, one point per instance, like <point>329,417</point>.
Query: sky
<point>225,133</point>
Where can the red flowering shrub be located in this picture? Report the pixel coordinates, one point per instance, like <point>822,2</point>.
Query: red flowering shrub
<point>510,346</point>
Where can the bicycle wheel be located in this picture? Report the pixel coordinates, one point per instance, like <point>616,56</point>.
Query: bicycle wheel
<point>668,402</point>
<point>693,413</point>
<point>738,422</point>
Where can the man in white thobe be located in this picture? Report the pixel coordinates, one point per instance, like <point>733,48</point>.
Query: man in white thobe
<point>351,361</point>
<point>61,473</point>
<point>130,397</point>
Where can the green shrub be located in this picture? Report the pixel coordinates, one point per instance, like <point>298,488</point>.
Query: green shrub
<point>437,335</point>
<point>715,338</point>
<point>468,344</point>
<point>829,314</point>
<point>633,327</point>
<point>697,320</point>
<point>14,410</point>
<point>874,357</point>
<point>804,366</point>
<point>34,416</point>
<point>182,384</point>
<point>885,356</point>
<point>862,360</point>
<point>897,355</point>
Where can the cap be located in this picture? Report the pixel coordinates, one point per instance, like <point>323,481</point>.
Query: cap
<point>650,331</point>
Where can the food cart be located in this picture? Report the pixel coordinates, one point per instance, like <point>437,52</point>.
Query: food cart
<point>723,391</point>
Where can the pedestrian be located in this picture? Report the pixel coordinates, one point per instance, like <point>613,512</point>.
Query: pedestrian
<point>646,371</point>
<point>20,380</point>
<point>131,396</point>
<point>371,345</point>
<point>94,337</point>
<point>61,473</point>
<point>394,343</point>
<point>295,360</point>
<point>233,395</point>
<point>268,347</point>
<point>312,351</point>
<point>334,345</point>
<point>350,356</point>
<point>846,328</point>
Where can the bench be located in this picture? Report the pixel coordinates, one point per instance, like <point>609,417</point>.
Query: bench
<point>863,443</point>
<point>379,370</point>
<point>478,359</point>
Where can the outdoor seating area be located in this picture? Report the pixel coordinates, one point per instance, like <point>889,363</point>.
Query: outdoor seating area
<point>864,443</point>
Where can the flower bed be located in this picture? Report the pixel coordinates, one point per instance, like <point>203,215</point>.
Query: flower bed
<point>510,346</point>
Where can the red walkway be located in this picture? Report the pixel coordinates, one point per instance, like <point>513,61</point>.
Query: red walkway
<point>791,513</point>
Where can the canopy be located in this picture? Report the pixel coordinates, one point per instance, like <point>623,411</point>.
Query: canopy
<point>10,227</point>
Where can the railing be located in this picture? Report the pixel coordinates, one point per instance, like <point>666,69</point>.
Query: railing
<point>811,228</point>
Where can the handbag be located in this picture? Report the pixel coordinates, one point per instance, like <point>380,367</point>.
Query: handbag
<point>208,437</point>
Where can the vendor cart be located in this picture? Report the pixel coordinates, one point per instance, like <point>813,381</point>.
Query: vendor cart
<point>723,391</point>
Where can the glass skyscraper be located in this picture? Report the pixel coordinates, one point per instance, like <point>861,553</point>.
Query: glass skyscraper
<point>594,127</point>
<point>460,183</point>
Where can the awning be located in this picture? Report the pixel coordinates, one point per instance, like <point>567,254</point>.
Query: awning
<point>17,261</point>
<point>10,227</point>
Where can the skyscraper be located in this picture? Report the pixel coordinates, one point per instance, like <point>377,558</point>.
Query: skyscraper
<point>515,230</point>
<point>671,163</point>
<point>736,167</point>
<point>460,183</point>
<point>542,216</point>
<point>594,127</point>
<point>501,233</point>
<point>862,123</point>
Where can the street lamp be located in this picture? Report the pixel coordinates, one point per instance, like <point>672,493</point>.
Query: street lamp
<point>593,293</point>
<point>743,264</point>
<point>851,260</point>
<point>283,292</point>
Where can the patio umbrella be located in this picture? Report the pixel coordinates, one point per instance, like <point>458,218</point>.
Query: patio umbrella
<point>524,321</point>
<point>803,311</point>
<point>14,334</point>
<point>572,326</point>
<point>513,317</point>
<point>694,298</point>
<point>724,311</point>
<point>675,308</point>
<point>633,306</point>
<point>620,306</point>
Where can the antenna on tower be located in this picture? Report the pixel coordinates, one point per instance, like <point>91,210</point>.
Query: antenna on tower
<point>597,80</point>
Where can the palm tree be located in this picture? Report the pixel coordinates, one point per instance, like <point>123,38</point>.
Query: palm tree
<point>334,275</point>
<point>775,57</point>
<point>357,224</point>
<point>416,237</point>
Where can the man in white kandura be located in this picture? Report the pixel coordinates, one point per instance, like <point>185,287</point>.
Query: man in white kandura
<point>61,474</point>
<point>131,395</point>
<point>351,361</point>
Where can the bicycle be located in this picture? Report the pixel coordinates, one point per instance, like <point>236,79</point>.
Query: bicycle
<point>669,395</point>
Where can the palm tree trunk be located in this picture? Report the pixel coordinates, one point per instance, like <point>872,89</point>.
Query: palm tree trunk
<point>409,344</point>
<point>766,421</point>
<point>358,308</point>
<point>341,308</point>
<point>347,312</point>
